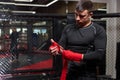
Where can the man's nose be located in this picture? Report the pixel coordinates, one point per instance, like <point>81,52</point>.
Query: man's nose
<point>78,19</point>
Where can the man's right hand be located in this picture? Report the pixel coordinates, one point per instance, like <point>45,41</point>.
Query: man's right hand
<point>55,48</point>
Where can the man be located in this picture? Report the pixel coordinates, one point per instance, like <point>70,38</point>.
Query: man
<point>82,45</point>
<point>14,43</point>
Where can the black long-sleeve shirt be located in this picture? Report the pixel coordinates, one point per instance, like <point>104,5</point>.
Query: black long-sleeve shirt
<point>14,36</point>
<point>90,41</point>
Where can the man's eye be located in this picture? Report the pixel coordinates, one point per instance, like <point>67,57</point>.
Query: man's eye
<point>81,15</point>
<point>76,14</point>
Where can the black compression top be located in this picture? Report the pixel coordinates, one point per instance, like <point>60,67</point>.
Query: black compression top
<point>90,41</point>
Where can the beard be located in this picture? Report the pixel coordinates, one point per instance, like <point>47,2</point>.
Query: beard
<point>82,24</point>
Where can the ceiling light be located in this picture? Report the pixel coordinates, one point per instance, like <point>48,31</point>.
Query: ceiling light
<point>31,12</point>
<point>9,3</point>
<point>24,0</point>
<point>13,11</point>
<point>52,2</point>
<point>102,9</point>
<point>35,5</point>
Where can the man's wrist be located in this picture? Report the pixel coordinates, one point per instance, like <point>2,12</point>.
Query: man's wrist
<point>82,56</point>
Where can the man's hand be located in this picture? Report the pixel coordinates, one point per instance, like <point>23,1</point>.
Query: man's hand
<point>55,48</point>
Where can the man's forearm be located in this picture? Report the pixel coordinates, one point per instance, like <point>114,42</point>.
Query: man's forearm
<point>70,55</point>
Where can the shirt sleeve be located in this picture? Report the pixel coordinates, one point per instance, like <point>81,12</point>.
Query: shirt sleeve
<point>99,44</point>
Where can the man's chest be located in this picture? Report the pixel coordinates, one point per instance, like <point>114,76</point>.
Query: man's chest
<point>81,36</point>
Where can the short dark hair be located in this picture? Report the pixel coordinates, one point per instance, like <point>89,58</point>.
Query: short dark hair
<point>84,5</point>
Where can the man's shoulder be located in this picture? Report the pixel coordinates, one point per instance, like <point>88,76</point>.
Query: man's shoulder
<point>98,28</point>
<point>69,27</point>
<point>96,25</point>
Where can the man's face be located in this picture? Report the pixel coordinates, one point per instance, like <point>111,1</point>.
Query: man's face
<point>82,17</point>
<point>13,29</point>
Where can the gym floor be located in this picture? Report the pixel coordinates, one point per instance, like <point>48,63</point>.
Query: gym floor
<point>35,66</point>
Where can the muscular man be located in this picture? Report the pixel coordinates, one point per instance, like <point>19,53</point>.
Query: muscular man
<point>84,41</point>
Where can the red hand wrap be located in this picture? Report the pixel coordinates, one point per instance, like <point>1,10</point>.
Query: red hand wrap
<point>54,44</point>
<point>70,55</point>
<point>64,70</point>
<point>67,54</point>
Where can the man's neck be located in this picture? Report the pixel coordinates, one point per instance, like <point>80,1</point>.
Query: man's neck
<point>86,25</point>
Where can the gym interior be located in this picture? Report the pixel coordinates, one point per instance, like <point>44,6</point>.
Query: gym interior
<point>38,21</point>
